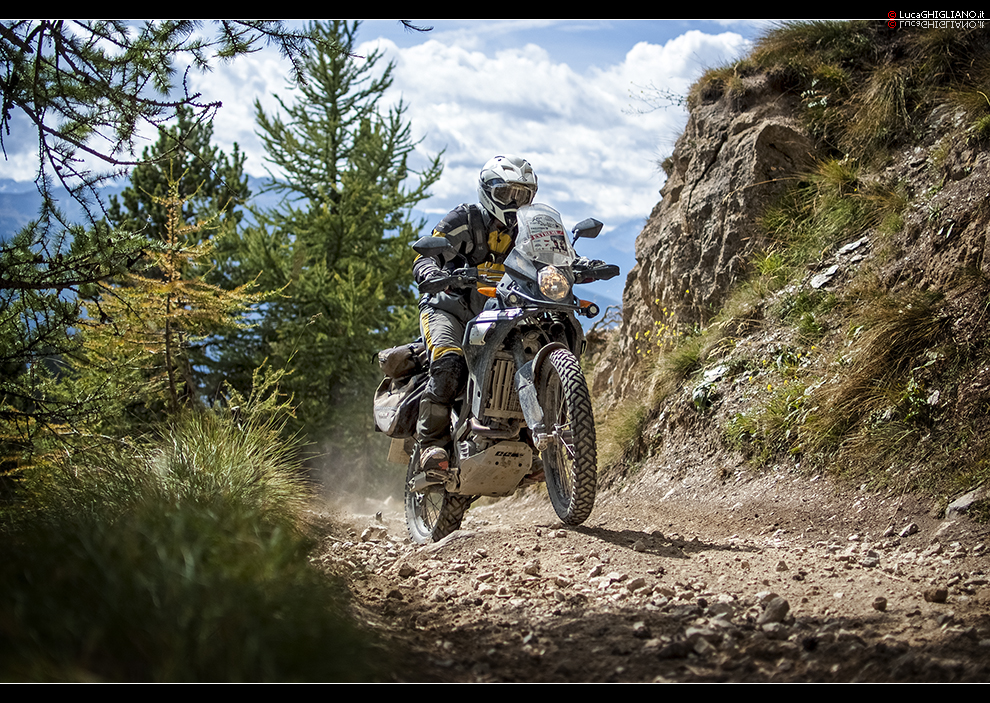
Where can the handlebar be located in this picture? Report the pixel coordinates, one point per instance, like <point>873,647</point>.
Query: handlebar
<point>464,277</point>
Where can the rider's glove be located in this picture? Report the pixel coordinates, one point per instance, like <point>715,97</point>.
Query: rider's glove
<point>583,263</point>
<point>434,283</point>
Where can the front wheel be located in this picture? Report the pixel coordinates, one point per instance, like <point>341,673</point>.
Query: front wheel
<point>434,513</point>
<point>570,460</point>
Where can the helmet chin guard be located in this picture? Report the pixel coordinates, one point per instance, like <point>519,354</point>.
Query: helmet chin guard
<point>506,184</point>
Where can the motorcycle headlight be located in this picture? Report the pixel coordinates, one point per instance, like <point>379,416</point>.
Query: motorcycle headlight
<point>554,284</point>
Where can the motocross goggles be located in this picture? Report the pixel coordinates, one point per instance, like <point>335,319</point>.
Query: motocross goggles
<point>513,194</point>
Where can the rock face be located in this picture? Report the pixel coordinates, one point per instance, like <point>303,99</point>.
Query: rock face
<point>737,153</point>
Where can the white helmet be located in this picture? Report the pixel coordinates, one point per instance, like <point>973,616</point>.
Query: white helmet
<point>506,184</point>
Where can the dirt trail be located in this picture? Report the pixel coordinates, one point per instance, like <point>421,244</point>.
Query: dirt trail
<point>778,578</point>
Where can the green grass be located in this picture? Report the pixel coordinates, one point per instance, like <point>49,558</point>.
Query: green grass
<point>877,401</point>
<point>810,220</point>
<point>813,43</point>
<point>896,332</point>
<point>981,127</point>
<point>183,559</point>
<point>885,406</point>
<point>980,511</point>
<point>831,205</point>
<point>864,85</point>
<point>881,114</point>
<point>805,309</point>
<point>718,81</point>
<point>620,433</point>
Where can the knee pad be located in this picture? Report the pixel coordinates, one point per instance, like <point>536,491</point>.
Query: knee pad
<point>448,374</point>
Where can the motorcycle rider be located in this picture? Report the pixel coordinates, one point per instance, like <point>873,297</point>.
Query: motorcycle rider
<point>482,236</point>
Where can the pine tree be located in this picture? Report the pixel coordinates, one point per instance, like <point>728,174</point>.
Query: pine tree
<point>338,246</point>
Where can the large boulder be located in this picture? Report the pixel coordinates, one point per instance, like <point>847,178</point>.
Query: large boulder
<point>739,151</point>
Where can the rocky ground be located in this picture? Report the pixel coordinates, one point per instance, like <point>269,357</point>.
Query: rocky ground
<point>780,577</point>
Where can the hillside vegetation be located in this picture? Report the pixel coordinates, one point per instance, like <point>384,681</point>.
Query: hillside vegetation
<point>849,333</point>
<point>181,557</point>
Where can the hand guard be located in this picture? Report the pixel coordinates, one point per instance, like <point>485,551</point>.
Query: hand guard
<point>461,278</point>
<point>583,264</point>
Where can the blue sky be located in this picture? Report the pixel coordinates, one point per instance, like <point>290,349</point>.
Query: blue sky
<point>561,93</point>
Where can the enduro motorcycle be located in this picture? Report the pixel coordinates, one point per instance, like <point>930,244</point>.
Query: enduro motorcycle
<point>525,412</point>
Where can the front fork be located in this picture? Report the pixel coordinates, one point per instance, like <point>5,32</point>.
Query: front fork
<point>527,383</point>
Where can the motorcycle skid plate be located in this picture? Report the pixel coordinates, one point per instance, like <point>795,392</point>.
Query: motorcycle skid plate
<point>496,471</point>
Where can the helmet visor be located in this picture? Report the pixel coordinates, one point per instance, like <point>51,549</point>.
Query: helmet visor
<point>513,194</point>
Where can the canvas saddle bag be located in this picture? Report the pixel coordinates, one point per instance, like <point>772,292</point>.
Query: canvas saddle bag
<point>397,398</point>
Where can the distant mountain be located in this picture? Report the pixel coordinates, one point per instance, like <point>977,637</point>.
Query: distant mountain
<point>20,203</point>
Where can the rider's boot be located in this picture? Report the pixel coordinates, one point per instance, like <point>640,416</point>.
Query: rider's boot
<point>434,459</point>
<point>433,430</point>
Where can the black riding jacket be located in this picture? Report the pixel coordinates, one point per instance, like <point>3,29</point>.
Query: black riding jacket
<point>478,240</point>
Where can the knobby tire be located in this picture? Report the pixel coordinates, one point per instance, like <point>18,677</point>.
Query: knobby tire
<point>571,482</point>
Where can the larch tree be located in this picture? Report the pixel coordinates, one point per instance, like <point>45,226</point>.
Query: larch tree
<point>138,345</point>
<point>185,166</point>
<point>147,332</point>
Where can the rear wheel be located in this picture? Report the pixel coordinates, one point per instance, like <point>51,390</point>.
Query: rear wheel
<point>570,463</point>
<point>434,513</point>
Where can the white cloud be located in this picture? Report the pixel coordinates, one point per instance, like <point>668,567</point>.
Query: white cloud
<point>594,153</point>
